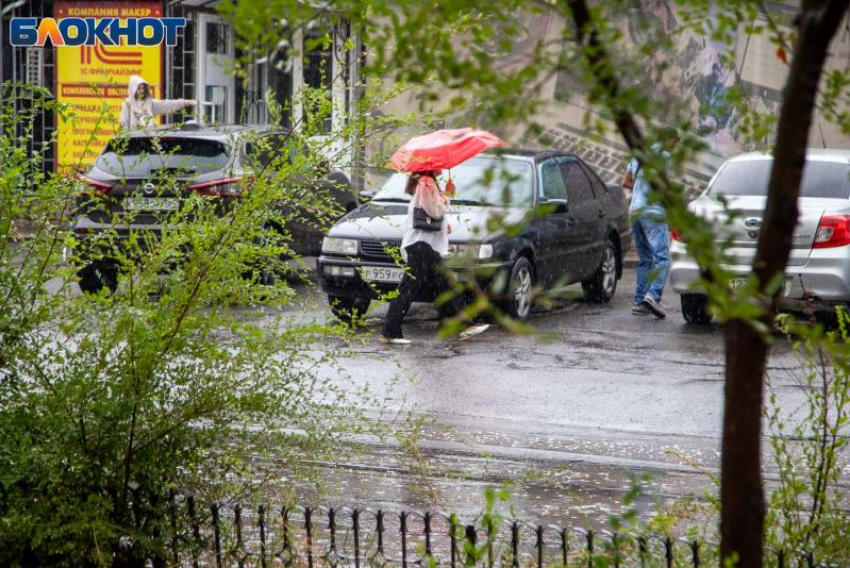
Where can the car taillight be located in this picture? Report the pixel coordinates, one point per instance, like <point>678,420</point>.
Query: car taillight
<point>97,187</point>
<point>833,231</point>
<point>227,187</point>
<point>674,234</point>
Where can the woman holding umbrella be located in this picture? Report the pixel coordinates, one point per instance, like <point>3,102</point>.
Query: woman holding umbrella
<point>426,229</point>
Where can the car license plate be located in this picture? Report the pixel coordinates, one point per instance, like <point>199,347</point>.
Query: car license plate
<point>151,204</point>
<point>742,282</point>
<point>381,274</point>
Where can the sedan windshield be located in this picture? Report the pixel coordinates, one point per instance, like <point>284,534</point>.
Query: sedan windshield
<point>142,157</point>
<point>820,179</point>
<point>479,181</point>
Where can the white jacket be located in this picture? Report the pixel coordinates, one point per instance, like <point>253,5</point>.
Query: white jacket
<point>136,113</point>
<point>429,197</point>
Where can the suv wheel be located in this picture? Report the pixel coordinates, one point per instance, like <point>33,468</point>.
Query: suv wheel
<point>348,309</point>
<point>695,309</point>
<point>600,287</point>
<point>97,276</point>
<point>520,289</point>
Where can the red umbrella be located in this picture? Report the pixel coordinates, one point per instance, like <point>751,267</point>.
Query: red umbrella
<point>443,149</point>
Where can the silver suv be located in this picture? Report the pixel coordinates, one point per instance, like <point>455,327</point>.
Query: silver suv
<point>818,272</point>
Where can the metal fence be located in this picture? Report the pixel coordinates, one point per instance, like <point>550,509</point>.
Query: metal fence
<point>341,537</point>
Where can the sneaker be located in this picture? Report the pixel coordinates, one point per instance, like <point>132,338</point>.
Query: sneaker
<point>650,304</point>
<point>474,330</point>
<point>640,310</point>
<point>394,340</point>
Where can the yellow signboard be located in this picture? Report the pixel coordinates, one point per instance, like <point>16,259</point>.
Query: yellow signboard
<point>93,80</point>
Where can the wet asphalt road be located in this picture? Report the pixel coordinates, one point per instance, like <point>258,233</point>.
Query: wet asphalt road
<point>565,416</point>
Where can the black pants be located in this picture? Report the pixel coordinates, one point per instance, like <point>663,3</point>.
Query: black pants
<point>423,265</point>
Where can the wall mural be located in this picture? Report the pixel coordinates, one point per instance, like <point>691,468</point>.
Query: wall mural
<point>696,76</point>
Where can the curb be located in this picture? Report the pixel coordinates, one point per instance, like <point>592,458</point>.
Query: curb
<point>630,260</point>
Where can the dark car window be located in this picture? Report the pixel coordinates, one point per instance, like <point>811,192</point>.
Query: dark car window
<point>270,148</point>
<point>820,179</point>
<point>552,184</point>
<point>578,185</point>
<point>486,180</point>
<point>136,157</point>
<point>596,183</point>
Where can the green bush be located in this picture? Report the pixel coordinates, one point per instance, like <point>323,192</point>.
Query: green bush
<point>110,402</point>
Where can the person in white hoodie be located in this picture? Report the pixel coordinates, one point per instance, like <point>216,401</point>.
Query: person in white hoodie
<point>139,108</point>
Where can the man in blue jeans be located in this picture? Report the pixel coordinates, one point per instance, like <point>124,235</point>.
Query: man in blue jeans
<point>650,232</point>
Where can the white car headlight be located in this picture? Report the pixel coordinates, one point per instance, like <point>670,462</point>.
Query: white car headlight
<point>481,252</point>
<point>339,246</point>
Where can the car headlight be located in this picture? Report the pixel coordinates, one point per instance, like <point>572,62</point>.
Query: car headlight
<point>339,246</point>
<point>480,252</point>
<point>485,251</point>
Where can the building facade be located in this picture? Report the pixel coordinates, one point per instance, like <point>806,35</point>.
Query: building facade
<point>199,67</point>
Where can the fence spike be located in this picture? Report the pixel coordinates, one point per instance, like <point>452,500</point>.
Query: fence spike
<point>615,537</point>
<point>565,547</point>
<point>539,545</point>
<point>308,525</point>
<point>217,531</point>
<point>237,548</point>
<point>402,518</point>
<point>172,515</point>
<point>261,513</point>
<point>289,559</point>
<point>427,521</point>
<point>643,550</point>
<point>332,555</point>
<point>515,544</point>
<point>471,553</point>
<point>196,531</point>
<point>355,517</point>
<point>453,540</point>
<point>491,535</point>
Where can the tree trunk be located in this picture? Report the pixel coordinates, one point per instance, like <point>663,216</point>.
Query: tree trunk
<point>741,493</point>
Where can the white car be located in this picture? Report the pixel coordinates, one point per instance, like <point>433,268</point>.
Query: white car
<point>818,271</point>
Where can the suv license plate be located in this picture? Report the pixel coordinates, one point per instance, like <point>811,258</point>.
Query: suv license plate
<point>381,274</point>
<point>151,204</point>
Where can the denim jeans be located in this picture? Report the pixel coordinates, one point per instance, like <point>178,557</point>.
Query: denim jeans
<point>652,241</point>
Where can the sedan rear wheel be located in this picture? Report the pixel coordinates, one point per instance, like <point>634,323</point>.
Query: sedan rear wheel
<point>600,288</point>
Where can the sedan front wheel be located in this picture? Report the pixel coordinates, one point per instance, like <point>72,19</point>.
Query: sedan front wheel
<point>521,289</point>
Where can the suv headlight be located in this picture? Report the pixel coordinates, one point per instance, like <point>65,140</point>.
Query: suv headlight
<point>339,246</point>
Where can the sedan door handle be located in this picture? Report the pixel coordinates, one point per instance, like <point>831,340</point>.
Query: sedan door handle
<point>571,221</point>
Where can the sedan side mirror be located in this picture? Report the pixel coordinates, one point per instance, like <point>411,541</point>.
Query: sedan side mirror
<point>365,196</point>
<point>553,206</point>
